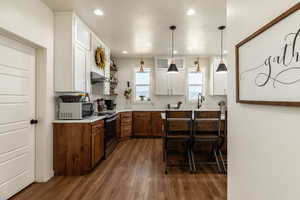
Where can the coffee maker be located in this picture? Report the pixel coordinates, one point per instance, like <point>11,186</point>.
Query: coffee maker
<point>110,105</point>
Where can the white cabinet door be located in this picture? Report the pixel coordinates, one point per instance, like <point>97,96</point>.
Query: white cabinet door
<point>180,62</point>
<point>218,79</point>
<point>220,83</point>
<point>95,44</point>
<point>88,72</point>
<point>161,82</point>
<point>161,63</point>
<point>177,83</point>
<point>82,34</point>
<point>80,60</point>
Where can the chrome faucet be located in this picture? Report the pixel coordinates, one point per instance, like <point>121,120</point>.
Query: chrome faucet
<point>201,99</point>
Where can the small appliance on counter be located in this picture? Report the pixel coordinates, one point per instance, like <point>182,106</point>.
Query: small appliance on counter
<point>100,105</point>
<point>75,111</point>
<point>73,107</point>
<point>110,105</point>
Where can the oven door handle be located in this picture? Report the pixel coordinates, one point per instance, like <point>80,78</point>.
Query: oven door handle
<point>110,120</point>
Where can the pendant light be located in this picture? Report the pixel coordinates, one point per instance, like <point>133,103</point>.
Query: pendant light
<point>222,67</point>
<point>172,68</point>
<point>142,65</point>
<point>197,64</point>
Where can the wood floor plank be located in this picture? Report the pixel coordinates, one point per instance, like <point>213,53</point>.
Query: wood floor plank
<point>134,171</point>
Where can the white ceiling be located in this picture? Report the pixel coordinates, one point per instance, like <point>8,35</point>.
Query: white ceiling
<point>141,27</point>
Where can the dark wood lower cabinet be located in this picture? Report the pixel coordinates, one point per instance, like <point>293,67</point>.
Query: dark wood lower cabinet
<point>147,124</point>
<point>97,144</point>
<point>77,147</point>
<point>125,125</point>
<point>142,123</point>
<point>157,124</point>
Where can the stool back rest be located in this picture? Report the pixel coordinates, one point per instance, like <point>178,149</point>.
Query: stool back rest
<point>208,122</point>
<point>179,122</point>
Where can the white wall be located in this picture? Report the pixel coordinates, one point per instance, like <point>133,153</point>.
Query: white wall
<point>32,21</point>
<point>264,141</point>
<point>126,73</point>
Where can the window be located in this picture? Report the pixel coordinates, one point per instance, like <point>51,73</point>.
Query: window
<point>142,85</point>
<point>195,83</point>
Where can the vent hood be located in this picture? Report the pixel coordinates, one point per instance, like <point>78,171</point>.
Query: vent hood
<point>98,78</point>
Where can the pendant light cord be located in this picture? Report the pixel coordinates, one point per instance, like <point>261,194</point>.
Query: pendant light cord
<point>172,44</point>
<point>221,45</point>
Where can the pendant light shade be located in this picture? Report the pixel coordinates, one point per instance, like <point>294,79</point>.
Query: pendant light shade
<point>172,68</point>
<point>142,65</point>
<point>222,67</point>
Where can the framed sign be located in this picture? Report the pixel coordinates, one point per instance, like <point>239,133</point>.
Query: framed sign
<point>268,63</point>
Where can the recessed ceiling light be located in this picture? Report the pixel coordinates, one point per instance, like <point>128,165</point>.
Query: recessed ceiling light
<point>190,12</point>
<point>225,52</point>
<point>175,52</point>
<point>98,12</point>
<point>124,52</point>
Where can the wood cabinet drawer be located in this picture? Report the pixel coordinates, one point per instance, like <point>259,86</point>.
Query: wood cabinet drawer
<point>126,121</point>
<point>146,115</point>
<point>126,115</point>
<point>99,123</point>
<point>156,114</point>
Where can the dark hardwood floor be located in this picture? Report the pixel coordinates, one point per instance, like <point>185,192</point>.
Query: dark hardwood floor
<point>135,171</point>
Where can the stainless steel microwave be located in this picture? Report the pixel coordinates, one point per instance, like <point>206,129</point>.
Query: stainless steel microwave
<point>78,110</point>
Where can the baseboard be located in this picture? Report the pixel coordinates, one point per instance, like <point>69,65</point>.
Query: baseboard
<point>45,178</point>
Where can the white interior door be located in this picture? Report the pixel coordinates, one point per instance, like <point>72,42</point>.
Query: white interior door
<point>17,107</point>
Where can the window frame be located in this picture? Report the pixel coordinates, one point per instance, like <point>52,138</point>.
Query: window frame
<point>193,70</point>
<point>135,70</point>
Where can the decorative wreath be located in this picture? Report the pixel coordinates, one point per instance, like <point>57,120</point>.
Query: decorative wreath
<point>100,58</point>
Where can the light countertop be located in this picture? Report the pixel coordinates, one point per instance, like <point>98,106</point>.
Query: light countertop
<point>92,119</point>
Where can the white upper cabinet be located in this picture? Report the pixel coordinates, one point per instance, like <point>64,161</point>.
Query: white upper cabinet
<point>72,53</point>
<point>95,44</point>
<point>161,63</point>
<point>82,34</point>
<point>172,84</point>
<point>75,45</point>
<point>218,80</point>
<point>177,82</point>
<point>80,59</point>
<point>161,82</point>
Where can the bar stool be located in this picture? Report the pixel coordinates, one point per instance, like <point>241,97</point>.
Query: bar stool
<point>207,129</point>
<point>178,129</point>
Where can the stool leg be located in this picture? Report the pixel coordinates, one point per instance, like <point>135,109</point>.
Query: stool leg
<point>166,157</point>
<point>222,161</point>
<point>193,161</point>
<point>190,161</point>
<point>217,161</point>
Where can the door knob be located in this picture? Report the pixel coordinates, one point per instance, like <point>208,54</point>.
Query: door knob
<point>34,121</point>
